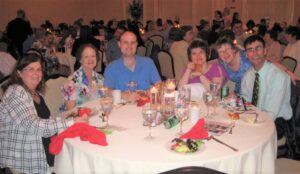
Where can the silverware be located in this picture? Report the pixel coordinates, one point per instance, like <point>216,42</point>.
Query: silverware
<point>120,105</point>
<point>221,142</point>
<point>233,125</point>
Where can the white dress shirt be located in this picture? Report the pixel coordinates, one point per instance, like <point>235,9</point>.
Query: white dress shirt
<point>274,90</point>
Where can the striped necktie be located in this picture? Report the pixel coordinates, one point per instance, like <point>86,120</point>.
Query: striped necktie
<point>255,90</point>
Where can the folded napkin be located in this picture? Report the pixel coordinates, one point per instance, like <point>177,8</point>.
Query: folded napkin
<point>197,90</point>
<point>82,130</point>
<point>197,132</point>
<point>84,111</point>
<point>142,101</point>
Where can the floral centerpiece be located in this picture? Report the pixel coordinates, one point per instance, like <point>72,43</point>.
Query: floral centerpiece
<point>136,9</point>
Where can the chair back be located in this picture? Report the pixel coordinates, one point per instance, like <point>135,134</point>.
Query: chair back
<point>157,40</point>
<point>149,45</point>
<point>290,63</point>
<point>2,82</point>
<point>3,46</point>
<point>53,96</point>
<point>192,170</point>
<point>166,64</point>
<point>141,51</point>
<point>99,63</point>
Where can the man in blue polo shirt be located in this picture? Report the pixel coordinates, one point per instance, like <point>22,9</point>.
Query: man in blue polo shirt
<point>130,67</point>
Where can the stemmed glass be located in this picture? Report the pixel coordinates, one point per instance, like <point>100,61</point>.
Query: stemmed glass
<point>182,114</point>
<point>207,98</point>
<point>132,86</point>
<point>106,104</point>
<point>149,116</point>
<point>214,89</point>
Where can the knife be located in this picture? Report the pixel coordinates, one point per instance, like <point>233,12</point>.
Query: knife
<point>221,142</point>
<point>245,107</point>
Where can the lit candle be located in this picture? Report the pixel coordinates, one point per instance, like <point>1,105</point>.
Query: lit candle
<point>153,89</point>
<point>194,113</point>
<point>234,42</point>
<point>171,85</point>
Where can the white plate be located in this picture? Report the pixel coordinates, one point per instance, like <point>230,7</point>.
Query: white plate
<point>200,149</point>
<point>250,118</point>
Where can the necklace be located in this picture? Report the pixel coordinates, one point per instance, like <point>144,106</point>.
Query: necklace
<point>34,93</point>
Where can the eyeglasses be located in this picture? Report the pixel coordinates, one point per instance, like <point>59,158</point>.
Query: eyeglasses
<point>256,49</point>
<point>32,70</point>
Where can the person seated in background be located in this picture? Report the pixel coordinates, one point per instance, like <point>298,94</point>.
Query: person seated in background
<point>130,68</point>
<point>264,85</point>
<point>84,38</point>
<point>83,84</point>
<point>7,63</point>
<point>154,29</point>
<point>239,34</point>
<point>179,50</point>
<point>292,35</point>
<point>25,122</point>
<point>198,69</point>
<point>274,49</point>
<point>113,51</point>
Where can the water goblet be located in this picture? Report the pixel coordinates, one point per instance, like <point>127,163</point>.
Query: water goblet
<point>214,103</point>
<point>132,86</point>
<point>106,104</point>
<point>214,88</point>
<point>182,114</point>
<point>149,116</point>
<point>207,98</point>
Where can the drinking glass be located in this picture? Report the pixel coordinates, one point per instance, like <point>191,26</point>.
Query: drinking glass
<point>207,98</point>
<point>214,88</point>
<point>182,114</point>
<point>132,86</point>
<point>106,104</point>
<point>214,103</point>
<point>149,116</point>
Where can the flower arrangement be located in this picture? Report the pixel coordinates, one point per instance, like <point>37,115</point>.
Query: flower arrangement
<point>136,9</point>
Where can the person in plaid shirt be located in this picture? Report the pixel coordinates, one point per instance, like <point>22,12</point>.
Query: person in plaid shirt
<point>21,128</point>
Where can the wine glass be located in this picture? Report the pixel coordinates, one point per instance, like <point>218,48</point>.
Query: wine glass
<point>182,114</point>
<point>214,103</point>
<point>207,98</point>
<point>106,104</point>
<point>214,88</point>
<point>132,86</point>
<point>149,116</point>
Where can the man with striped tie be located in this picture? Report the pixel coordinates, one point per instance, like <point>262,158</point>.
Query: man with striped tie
<point>266,86</point>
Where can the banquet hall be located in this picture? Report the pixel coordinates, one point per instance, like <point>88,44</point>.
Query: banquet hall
<point>149,86</point>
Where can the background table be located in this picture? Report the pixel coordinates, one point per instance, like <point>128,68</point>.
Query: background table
<point>129,152</point>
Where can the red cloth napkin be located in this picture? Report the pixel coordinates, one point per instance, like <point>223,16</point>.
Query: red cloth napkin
<point>197,132</point>
<point>142,102</point>
<point>84,131</point>
<point>83,111</point>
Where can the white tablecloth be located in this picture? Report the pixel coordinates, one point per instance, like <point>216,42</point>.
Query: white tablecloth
<point>129,152</point>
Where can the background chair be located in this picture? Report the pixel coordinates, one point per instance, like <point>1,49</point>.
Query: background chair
<point>192,170</point>
<point>284,165</point>
<point>53,96</point>
<point>3,46</point>
<point>166,64</point>
<point>149,45</point>
<point>157,40</point>
<point>290,63</point>
<point>141,51</point>
<point>99,64</point>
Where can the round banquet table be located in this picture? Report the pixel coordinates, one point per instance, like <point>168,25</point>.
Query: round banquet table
<point>129,152</point>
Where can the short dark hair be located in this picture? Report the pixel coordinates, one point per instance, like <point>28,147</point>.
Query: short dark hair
<point>29,57</point>
<point>254,38</point>
<point>273,34</point>
<point>293,31</point>
<point>224,40</point>
<point>236,22</point>
<point>81,49</point>
<point>159,22</point>
<point>198,44</point>
<point>184,29</point>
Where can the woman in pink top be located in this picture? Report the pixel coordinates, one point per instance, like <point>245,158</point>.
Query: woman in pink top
<point>199,70</point>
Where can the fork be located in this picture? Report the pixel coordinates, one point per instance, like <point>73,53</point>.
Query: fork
<point>233,125</point>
